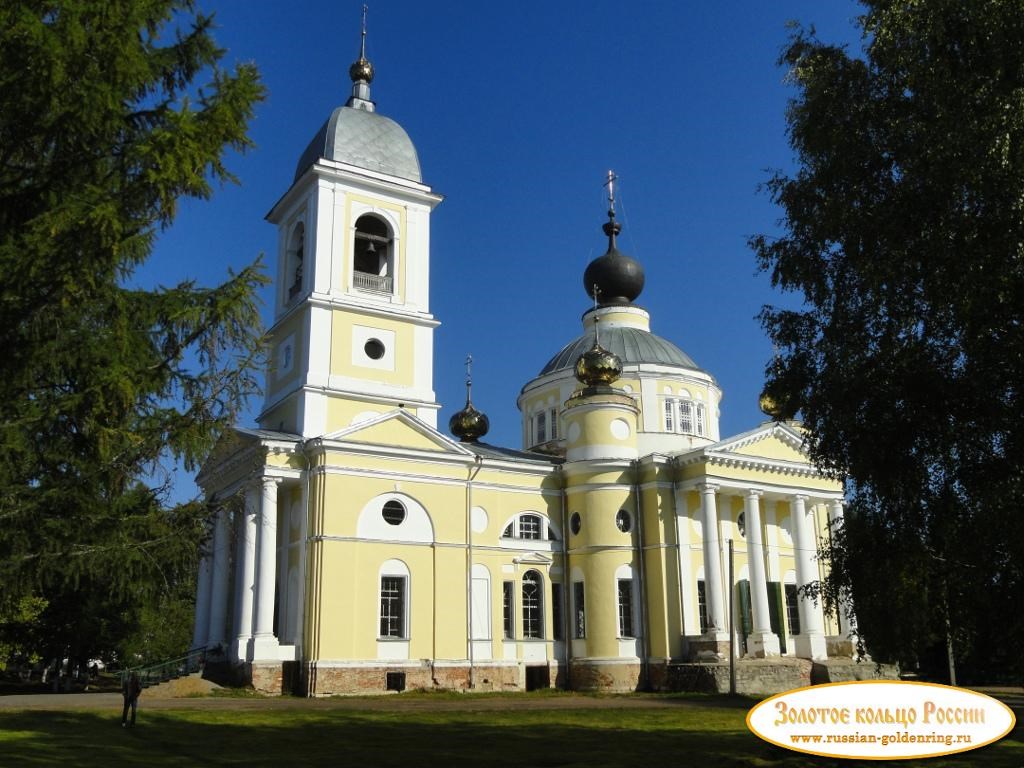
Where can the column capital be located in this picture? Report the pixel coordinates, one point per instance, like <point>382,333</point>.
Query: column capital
<point>753,493</point>
<point>268,480</point>
<point>803,497</point>
<point>707,487</point>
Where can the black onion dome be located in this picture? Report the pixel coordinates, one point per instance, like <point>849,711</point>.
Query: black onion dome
<point>617,278</point>
<point>469,424</point>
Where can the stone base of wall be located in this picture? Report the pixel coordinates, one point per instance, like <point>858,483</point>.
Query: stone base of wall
<point>754,677</point>
<point>699,648</point>
<point>329,680</point>
<point>839,647</point>
<point>846,670</point>
<point>612,676</point>
<point>267,677</point>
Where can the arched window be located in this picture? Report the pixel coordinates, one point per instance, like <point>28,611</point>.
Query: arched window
<point>530,525</point>
<point>542,427</point>
<point>533,605</point>
<point>372,259</point>
<point>296,257</point>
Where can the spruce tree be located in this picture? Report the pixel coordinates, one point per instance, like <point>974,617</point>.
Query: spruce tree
<point>110,113</point>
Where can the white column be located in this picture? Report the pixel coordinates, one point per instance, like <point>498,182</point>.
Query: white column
<point>762,641</point>
<point>810,643</point>
<point>265,644</point>
<point>848,618</point>
<point>717,624</point>
<point>246,575</point>
<point>202,614</point>
<point>219,587</point>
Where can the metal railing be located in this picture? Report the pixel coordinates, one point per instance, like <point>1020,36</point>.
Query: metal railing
<point>364,281</point>
<point>154,674</point>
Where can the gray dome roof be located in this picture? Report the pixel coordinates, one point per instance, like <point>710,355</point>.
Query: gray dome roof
<point>366,140</point>
<point>631,345</point>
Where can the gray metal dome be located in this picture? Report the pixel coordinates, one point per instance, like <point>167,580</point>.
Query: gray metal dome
<point>631,345</point>
<point>364,139</point>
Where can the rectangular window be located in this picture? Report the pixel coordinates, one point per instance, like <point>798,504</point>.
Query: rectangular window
<point>556,612</point>
<point>508,590</point>
<point>698,418</point>
<point>792,609</point>
<point>529,527</point>
<point>542,429</point>
<point>579,620</point>
<point>554,424</point>
<point>685,416</point>
<point>392,606</point>
<point>669,421</point>
<point>702,605</point>
<point>626,608</point>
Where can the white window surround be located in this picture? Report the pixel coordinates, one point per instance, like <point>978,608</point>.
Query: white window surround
<point>481,602</point>
<point>532,594</point>
<point>395,569</point>
<point>392,222</point>
<point>286,356</point>
<point>295,261</point>
<point>416,527</point>
<point>624,573</point>
<point>684,416</point>
<point>518,529</point>
<point>364,334</point>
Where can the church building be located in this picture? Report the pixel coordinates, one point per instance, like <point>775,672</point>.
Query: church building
<point>356,547</point>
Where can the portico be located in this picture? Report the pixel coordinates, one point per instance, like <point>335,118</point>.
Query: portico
<point>241,607</point>
<point>775,508</point>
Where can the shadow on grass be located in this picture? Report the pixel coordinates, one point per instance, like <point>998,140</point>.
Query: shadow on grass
<point>593,738</point>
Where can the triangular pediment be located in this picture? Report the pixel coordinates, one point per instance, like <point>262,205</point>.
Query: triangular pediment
<point>772,441</point>
<point>240,449</point>
<point>397,429</point>
<point>534,558</point>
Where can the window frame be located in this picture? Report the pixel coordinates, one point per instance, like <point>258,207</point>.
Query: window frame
<point>625,608</point>
<point>579,610</point>
<point>532,605</point>
<point>386,616</point>
<point>384,249</point>
<point>508,619</point>
<point>557,621</point>
<point>702,606</point>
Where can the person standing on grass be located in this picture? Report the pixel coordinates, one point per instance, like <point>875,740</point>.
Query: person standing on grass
<point>130,689</point>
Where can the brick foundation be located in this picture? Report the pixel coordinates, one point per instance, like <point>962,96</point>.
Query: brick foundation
<point>328,680</point>
<point>605,676</point>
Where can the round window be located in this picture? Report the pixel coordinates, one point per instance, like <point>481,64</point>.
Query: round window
<point>374,349</point>
<point>623,521</point>
<point>393,512</point>
<point>575,523</point>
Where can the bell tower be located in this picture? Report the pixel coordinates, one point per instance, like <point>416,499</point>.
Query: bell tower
<point>353,334</point>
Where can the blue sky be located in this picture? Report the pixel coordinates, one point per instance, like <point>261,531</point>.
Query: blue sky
<point>518,111</point>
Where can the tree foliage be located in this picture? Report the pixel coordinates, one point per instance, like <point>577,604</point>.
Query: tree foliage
<point>904,238</point>
<point>110,113</point>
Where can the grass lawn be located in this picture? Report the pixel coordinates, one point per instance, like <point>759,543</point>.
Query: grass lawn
<point>533,730</point>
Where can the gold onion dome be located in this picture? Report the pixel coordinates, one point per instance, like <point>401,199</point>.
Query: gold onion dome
<point>469,424</point>
<point>597,366</point>
<point>771,407</point>
<point>361,69</point>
